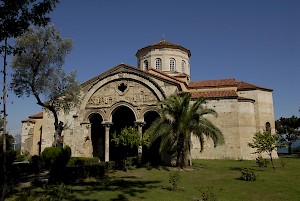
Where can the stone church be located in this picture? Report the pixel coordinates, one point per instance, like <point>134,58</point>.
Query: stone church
<point>127,96</point>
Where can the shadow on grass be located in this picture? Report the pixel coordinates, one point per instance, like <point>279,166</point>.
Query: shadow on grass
<point>198,166</point>
<point>128,186</point>
<point>124,187</point>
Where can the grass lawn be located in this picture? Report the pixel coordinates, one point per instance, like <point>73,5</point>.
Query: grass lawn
<point>218,177</point>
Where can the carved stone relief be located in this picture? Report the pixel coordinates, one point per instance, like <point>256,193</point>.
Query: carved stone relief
<point>129,91</point>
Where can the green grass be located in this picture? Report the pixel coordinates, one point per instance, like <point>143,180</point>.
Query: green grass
<point>221,177</point>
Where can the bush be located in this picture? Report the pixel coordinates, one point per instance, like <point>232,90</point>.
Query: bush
<point>174,180</point>
<point>262,162</point>
<point>208,194</point>
<point>78,161</point>
<point>248,175</point>
<point>55,160</point>
<point>21,158</point>
<point>78,173</point>
<point>36,163</point>
<point>148,166</point>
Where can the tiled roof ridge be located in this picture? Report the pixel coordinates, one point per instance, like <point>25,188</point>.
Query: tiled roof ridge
<point>37,116</point>
<point>213,83</point>
<point>241,85</point>
<point>165,74</point>
<point>247,86</point>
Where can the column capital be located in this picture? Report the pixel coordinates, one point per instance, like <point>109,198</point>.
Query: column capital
<point>140,123</point>
<point>106,124</point>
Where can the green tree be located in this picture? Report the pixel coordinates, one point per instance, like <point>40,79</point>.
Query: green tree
<point>37,71</point>
<point>289,130</point>
<point>180,118</point>
<point>131,137</point>
<point>265,142</point>
<point>15,17</point>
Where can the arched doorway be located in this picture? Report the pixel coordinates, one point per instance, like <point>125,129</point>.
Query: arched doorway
<point>151,153</point>
<point>98,136</point>
<point>122,117</point>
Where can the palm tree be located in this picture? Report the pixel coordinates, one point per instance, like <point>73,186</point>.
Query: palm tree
<point>180,118</point>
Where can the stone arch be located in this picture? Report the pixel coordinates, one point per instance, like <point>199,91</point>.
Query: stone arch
<point>117,105</point>
<point>89,113</point>
<point>122,116</point>
<point>97,135</point>
<point>134,76</point>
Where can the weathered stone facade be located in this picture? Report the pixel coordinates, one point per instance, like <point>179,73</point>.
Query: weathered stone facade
<point>128,96</point>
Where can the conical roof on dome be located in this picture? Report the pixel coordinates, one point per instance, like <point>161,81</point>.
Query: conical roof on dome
<point>163,44</point>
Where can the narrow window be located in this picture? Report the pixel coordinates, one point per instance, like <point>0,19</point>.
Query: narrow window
<point>268,126</point>
<point>183,66</point>
<point>146,65</point>
<point>158,64</point>
<point>172,64</point>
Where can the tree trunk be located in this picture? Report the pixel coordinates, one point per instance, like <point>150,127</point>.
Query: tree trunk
<point>290,148</point>
<point>272,161</point>
<point>4,122</point>
<point>58,142</point>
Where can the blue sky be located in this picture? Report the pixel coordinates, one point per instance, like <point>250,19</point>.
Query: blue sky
<point>256,41</point>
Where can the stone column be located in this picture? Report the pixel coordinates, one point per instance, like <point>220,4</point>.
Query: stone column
<point>107,128</point>
<point>140,125</point>
<point>87,148</point>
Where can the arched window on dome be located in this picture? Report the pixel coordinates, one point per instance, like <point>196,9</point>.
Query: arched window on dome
<point>146,65</point>
<point>158,64</point>
<point>183,66</point>
<point>172,64</point>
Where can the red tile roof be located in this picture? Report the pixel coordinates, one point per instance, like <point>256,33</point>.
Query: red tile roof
<point>241,86</point>
<point>215,94</point>
<point>213,83</point>
<point>163,44</point>
<point>37,116</point>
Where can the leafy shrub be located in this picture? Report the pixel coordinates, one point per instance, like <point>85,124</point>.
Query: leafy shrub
<point>248,175</point>
<point>128,163</point>
<point>36,163</point>
<point>21,158</point>
<point>174,180</point>
<point>56,159</point>
<point>56,156</point>
<point>109,166</point>
<point>208,194</point>
<point>148,166</point>
<point>77,161</point>
<point>283,162</point>
<point>262,162</point>
<point>78,173</point>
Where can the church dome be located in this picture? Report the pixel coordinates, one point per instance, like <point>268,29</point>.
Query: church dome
<point>162,44</point>
<point>165,56</point>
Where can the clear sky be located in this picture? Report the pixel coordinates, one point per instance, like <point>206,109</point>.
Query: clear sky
<point>256,41</point>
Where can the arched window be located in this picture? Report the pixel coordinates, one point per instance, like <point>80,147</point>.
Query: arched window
<point>183,66</point>
<point>268,126</point>
<point>172,64</point>
<point>146,65</point>
<point>158,64</point>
